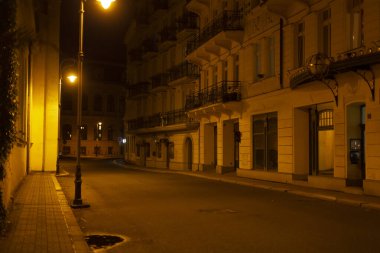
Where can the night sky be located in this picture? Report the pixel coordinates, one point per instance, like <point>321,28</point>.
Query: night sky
<point>103,30</point>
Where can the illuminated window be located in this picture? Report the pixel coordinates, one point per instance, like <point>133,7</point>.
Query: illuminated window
<point>83,132</point>
<point>325,120</point>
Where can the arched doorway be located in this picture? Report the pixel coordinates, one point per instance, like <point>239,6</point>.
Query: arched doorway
<point>188,153</point>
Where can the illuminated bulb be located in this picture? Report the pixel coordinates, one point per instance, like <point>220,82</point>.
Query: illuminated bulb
<point>106,3</point>
<point>72,78</point>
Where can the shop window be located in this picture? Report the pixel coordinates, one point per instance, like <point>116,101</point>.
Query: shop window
<point>265,147</point>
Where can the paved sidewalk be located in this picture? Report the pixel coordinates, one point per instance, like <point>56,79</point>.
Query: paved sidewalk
<point>41,220</point>
<point>354,199</point>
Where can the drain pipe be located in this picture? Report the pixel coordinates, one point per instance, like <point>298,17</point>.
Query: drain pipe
<point>281,53</point>
<point>28,91</point>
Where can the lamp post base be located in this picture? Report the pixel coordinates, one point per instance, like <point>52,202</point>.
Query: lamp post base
<point>78,203</point>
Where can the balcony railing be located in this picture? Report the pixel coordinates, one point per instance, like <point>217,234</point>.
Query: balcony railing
<point>226,91</point>
<point>138,89</point>
<point>188,20</point>
<point>227,21</point>
<point>185,69</point>
<point>159,120</point>
<point>160,80</point>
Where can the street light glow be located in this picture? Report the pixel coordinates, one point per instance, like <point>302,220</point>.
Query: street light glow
<point>72,78</point>
<point>106,3</point>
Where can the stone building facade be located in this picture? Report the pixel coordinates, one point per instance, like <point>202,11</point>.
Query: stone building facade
<point>285,91</point>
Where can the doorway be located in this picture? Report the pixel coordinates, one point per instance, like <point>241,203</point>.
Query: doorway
<point>189,153</point>
<point>356,120</point>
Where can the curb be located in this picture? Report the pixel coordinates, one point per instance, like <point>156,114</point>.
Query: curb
<point>77,237</point>
<point>319,196</point>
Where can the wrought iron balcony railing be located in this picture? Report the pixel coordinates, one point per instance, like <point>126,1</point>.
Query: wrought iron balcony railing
<point>159,119</point>
<point>227,21</point>
<point>188,20</point>
<point>160,80</point>
<point>185,69</point>
<point>224,92</point>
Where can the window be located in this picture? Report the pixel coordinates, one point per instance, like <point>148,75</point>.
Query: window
<point>355,23</point>
<point>271,56</point>
<point>158,149</point>
<point>147,149</point>
<point>265,147</point>
<point>257,62</point>
<point>110,133</point>
<point>325,120</point>
<point>300,45</point>
<point>83,150</point>
<point>98,131</point>
<point>225,71</point>
<point>138,150</point>
<point>83,132</point>
<point>66,150</point>
<point>122,105</point>
<point>171,150</point>
<point>66,132</point>
<point>110,150</point>
<point>97,150</point>
<point>236,68</point>
<point>325,32</point>
<point>98,103</point>
<point>215,75</point>
<point>110,103</point>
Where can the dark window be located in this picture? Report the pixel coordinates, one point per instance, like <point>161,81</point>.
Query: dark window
<point>110,103</point>
<point>66,150</point>
<point>110,150</point>
<point>265,146</point>
<point>97,150</point>
<point>110,133</point>
<point>171,150</point>
<point>147,147</point>
<point>159,150</point>
<point>66,132</point>
<point>83,150</point>
<point>122,105</point>
<point>98,103</point>
<point>83,132</point>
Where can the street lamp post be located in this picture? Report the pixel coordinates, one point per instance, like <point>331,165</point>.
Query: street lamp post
<point>71,79</point>
<point>78,202</point>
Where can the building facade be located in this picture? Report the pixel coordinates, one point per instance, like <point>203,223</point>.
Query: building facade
<point>286,90</point>
<point>103,105</point>
<point>36,122</point>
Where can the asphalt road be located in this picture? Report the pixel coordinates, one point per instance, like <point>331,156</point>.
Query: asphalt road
<point>171,213</point>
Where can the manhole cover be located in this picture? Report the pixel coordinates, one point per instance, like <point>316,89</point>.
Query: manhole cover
<point>103,241</point>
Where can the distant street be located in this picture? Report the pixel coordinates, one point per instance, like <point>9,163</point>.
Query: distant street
<point>171,213</point>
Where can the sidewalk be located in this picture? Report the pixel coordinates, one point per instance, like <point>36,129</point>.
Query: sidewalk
<point>359,200</point>
<point>41,220</point>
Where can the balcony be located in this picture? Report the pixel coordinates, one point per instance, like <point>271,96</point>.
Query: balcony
<point>221,33</point>
<point>149,47</point>
<point>226,91</point>
<point>138,89</point>
<point>187,24</point>
<point>176,120</point>
<point>183,73</point>
<point>160,82</point>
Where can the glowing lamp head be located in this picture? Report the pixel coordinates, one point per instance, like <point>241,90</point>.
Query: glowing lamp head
<point>106,3</point>
<point>72,78</point>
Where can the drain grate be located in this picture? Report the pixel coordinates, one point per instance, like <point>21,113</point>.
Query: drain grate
<point>103,241</point>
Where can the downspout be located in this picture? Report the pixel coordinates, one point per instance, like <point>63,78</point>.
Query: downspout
<point>281,53</point>
<point>28,91</point>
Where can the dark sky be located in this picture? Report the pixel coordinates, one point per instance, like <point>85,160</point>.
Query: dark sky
<point>103,30</point>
